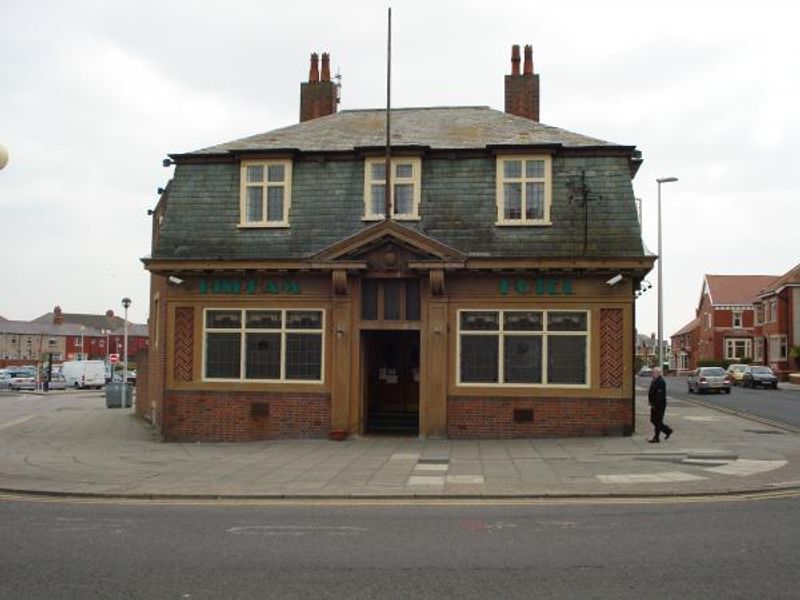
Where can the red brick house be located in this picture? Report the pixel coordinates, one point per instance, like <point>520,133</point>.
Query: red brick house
<point>685,343</point>
<point>777,330</point>
<point>727,316</point>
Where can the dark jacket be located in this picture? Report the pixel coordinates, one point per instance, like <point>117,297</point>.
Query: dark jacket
<point>657,395</point>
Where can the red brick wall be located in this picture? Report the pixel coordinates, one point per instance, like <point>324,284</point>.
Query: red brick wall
<point>244,416</point>
<point>142,407</point>
<point>493,417</point>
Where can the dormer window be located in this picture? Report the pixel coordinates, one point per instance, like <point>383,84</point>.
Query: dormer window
<point>405,180</point>
<point>524,190</point>
<point>266,190</point>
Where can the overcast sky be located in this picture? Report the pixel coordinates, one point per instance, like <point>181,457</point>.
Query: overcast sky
<point>95,93</point>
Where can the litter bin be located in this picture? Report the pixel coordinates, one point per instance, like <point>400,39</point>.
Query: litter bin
<point>114,395</point>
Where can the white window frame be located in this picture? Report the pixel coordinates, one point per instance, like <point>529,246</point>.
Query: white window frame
<point>501,180</point>
<point>778,350</point>
<point>708,320</point>
<point>773,303</point>
<point>730,347</point>
<point>242,330</point>
<point>265,185</point>
<point>415,180</point>
<point>544,333</point>
<point>738,319</point>
<point>758,349</point>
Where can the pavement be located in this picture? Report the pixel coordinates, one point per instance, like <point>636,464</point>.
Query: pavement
<point>85,449</point>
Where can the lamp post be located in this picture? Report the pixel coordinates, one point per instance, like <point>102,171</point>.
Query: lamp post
<point>661,180</point>
<point>126,302</point>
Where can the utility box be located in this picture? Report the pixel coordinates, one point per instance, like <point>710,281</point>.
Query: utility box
<point>114,395</point>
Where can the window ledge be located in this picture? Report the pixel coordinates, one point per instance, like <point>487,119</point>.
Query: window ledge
<point>394,218</point>
<point>523,224</point>
<point>263,226</point>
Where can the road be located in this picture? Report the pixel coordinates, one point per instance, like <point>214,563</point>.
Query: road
<point>781,405</point>
<point>731,549</point>
<point>18,407</point>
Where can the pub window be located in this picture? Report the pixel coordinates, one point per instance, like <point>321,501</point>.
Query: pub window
<point>263,344</point>
<point>523,347</point>
<point>405,180</point>
<point>390,300</point>
<point>266,189</point>
<point>524,190</point>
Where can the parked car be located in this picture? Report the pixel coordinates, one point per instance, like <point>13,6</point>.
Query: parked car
<point>57,382</point>
<point>645,372</point>
<point>18,380</point>
<point>758,376</point>
<point>735,373</point>
<point>706,379</point>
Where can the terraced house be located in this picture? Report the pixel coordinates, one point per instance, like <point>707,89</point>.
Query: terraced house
<point>488,293</point>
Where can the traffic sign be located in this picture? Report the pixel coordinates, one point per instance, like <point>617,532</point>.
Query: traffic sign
<point>112,358</point>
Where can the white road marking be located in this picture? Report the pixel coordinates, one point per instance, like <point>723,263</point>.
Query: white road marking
<point>466,479</point>
<point>666,476</point>
<point>744,467</point>
<point>16,422</point>
<point>706,418</point>
<point>426,467</point>
<point>428,480</point>
<point>295,530</point>
<point>405,456</point>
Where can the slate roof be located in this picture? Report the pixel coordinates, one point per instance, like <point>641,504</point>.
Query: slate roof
<point>447,128</point>
<point>96,322</point>
<point>736,289</point>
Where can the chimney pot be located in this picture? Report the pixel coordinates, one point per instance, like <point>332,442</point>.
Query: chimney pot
<point>515,59</point>
<point>528,69</point>
<point>326,67</point>
<point>313,72</point>
<point>58,316</point>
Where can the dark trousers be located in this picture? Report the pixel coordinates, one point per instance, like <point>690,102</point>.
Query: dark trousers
<point>657,419</point>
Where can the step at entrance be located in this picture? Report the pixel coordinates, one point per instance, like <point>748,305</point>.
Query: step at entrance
<point>393,422</point>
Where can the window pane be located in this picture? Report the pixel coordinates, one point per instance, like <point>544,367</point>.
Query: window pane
<point>528,320</point>
<point>378,171</point>
<point>303,319</point>
<point>476,320</point>
<point>522,362</point>
<point>304,356</point>
<point>512,168</point>
<point>263,356</point>
<point>479,358</point>
<point>255,173</point>
<point>404,171</point>
<point>255,204</point>
<point>512,200</point>
<point>391,300</point>
<point>263,319</point>
<point>534,200</point>
<point>275,173</point>
<point>378,206</point>
<point>404,199</point>
<point>275,204</point>
<point>566,359</point>
<point>369,299</point>
<point>534,168</point>
<point>566,321</point>
<point>412,299</point>
<point>224,319</point>
<point>223,354</point>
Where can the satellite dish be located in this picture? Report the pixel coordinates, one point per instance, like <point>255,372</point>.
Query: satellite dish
<point>3,156</point>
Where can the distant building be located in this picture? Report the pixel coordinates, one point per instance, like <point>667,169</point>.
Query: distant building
<point>777,324</point>
<point>647,349</point>
<point>68,337</point>
<point>684,343</point>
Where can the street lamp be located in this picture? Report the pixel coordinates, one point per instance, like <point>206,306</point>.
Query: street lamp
<point>126,302</point>
<point>661,180</point>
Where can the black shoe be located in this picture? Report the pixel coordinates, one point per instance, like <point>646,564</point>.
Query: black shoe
<point>668,433</point>
<point>653,441</point>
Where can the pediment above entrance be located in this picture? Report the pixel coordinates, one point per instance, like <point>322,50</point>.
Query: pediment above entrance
<point>390,246</point>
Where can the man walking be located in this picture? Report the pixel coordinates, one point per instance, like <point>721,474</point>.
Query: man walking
<point>657,397</point>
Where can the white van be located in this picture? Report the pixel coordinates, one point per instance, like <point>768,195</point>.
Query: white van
<point>81,374</point>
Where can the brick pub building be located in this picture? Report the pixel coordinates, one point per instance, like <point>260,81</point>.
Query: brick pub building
<point>491,296</point>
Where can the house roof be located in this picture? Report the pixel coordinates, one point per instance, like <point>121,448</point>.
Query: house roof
<point>735,289</point>
<point>788,278</point>
<point>43,328</point>
<point>448,128</point>
<point>690,326</point>
<point>97,323</point>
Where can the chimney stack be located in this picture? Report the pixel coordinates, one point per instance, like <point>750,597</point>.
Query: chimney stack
<point>58,316</point>
<point>522,91</point>
<point>318,96</point>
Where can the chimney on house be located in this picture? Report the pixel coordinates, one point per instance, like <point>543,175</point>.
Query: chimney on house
<point>318,96</point>
<point>58,316</point>
<point>109,313</point>
<point>522,91</point>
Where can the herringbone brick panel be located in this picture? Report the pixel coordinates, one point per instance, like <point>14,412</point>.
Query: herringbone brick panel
<point>184,343</point>
<point>611,348</point>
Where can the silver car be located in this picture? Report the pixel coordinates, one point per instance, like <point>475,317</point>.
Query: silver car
<point>706,379</point>
<point>18,380</point>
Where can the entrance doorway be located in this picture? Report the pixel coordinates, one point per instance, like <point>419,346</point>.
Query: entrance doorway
<point>391,381</point>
